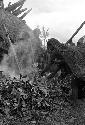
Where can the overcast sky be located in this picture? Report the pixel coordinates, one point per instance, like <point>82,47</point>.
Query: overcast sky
<point>62,17</point>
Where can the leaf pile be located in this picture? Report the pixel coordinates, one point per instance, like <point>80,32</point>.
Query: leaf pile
<point>19,97</point>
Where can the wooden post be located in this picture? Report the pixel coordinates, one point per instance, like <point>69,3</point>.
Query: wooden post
<point>70,40</point>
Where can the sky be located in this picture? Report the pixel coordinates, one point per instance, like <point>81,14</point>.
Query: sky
<point>62,17</point>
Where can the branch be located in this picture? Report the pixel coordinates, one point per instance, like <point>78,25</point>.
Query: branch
<point>25,14</point>
<point>15,5</point>
<point>18,11</point>
<point>9,4</point>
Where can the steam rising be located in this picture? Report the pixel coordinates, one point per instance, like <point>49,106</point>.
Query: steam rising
<point>4,67</point>
<point>24,55</point>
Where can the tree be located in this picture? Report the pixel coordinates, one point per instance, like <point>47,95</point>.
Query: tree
<point>44,35</point>
<point>16,9</point>
<point>37,32</point>
<point>19,33</point>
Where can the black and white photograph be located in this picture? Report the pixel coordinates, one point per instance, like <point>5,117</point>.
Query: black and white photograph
<point>42,62</point>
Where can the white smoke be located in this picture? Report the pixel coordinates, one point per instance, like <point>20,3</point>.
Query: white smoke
<point>25,51</point>
<point>9,64</point>
<point>4,67</point>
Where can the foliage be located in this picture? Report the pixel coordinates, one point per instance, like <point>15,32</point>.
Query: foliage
<point>44,95</point>
<point>23,35</point>
<point>43,34</point>
<point>16,9</point>
<point>27,97</point>
<point>33,99</point>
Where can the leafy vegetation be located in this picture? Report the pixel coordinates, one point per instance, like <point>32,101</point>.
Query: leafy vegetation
<point>33,99</point>
<point>44,96</point>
